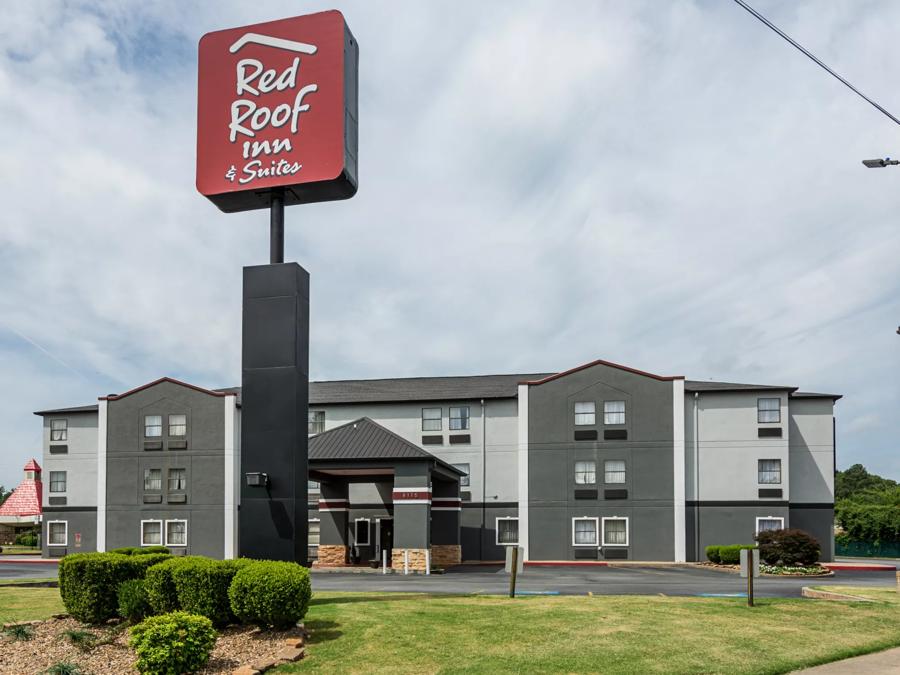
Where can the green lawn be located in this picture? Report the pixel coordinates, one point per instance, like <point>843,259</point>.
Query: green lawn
<point>26,604</point>
<point>408,633</point>
<point>388,633</point>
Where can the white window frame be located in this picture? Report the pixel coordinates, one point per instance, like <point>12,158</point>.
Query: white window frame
<point>596,520</point>
<point>147,426</point>
<point>169,425</point>
<point>594,471</point>
<point>468,477</point>
<point>314,419</point>
<point>65,429</point>
<point>439,419</point>
<point>315,520</point>
<point>759,471</point>
<point>162,533</point>
<point>593,414</point>
<point>606,472</point>
<point>779,518</point>
<point>356,522</point>
<point>760,410</point>
<point>166,532</point>
<point>50,481</point>
<point>623,412</point>
<point>65,532</point>
<point>497,531</point>
<point>627,530</point>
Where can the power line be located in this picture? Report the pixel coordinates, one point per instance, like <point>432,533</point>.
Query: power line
<point>815,60</point>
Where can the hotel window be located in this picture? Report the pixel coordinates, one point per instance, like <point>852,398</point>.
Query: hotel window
<point>614,471</point>
<point>59,430</point>
<point>463,480</point>
<point>151,532</point>
<point>769,523</point>
<point>459,418</point>
<point>152,426</point>
<point>769,471</point>
<point>585,473</point>
<point>431,419</point>
<point>57,481</point>
<point>178,425</point>
<point>57,533</point>
<point>585,413</point>
<point>361,531</point>
<point>176,533</point>
<point>177,480</point>
<point>614,412</point>
<point>316,422</point>
<point>314,533</point>
<point>507,531</point>
<point>615,531</point>
<point>153,479</point>
<point>584,531</point>
<point>768,410</point>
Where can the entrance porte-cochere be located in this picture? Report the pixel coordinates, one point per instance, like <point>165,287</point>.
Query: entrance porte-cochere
<point>383,498</point>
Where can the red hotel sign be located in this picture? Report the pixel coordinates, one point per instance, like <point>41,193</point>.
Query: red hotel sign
<point>277,108</point>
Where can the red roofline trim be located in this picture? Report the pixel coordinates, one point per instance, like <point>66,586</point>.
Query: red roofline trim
<point>601,362</point>
<point>116,397</point>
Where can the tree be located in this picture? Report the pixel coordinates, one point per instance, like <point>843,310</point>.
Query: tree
<point>856,482</point>
<point>4,493</point>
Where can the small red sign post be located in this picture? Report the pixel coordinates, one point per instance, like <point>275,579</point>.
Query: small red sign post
<point>277,113</point>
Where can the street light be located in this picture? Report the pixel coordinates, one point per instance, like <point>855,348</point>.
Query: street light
<point>879,163</point>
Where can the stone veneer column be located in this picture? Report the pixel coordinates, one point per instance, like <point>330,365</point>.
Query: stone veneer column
<point>334,505</point>
<point>412,514</point>
<point>446,509</point>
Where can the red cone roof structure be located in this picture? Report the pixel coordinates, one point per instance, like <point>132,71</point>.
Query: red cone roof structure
<point>25,500</point>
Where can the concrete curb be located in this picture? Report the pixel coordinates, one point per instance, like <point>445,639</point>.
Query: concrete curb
<point>30,561</point>
<point>808,592</point>
<point>860,567</point>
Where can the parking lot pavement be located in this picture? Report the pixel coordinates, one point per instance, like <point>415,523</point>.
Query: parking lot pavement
<point>596,580</point>
<point>27,570</point>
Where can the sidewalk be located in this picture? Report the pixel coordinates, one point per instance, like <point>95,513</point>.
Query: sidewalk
<point>880,663</point>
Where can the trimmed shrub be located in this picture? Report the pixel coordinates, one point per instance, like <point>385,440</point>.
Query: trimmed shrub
<point>133,604</point>
<point>147,550</point>
<point>89,582</point>
<point>712,554</point>
<point>201,585</point>
<point>26,539</point>
<point>160,585</point>
<point>789,547</point>
<point>270,593</point>
<point>731,555</point>
<point>124,550</point>
<point>171,644</point>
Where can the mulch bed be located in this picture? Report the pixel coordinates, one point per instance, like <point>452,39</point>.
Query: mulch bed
<point>737,568</point>
<point>235,647</point>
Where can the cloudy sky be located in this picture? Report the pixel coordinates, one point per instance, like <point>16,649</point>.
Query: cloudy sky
<point>662,184</point>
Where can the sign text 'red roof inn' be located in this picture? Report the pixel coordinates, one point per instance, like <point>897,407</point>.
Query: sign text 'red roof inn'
<point>277,108</point>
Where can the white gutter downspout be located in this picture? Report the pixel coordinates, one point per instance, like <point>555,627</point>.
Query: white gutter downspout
<point>523,470</point>
<point>680,478</point>
<point>697,472</point>
<point>102,413</point>
<point>483,477</point>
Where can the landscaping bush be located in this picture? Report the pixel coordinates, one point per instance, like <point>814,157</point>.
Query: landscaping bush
<point>133,603</point>
<point>201,586</point>
<point>124,550</point>
<point>147,550</point>
<point>27,539</point>
<point>270,593</point>
<point>788,547</point>
<point>731,555</point>
<point>712,554</point>
<point>174,643</point>
<point>89,582</point>
<point>160,585</point>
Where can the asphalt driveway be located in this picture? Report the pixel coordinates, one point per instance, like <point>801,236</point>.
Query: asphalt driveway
<point>596,580</point>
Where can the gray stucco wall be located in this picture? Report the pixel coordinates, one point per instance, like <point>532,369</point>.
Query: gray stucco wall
<point>647,453</point>
<point>203,461</point>
<point>80,521</point>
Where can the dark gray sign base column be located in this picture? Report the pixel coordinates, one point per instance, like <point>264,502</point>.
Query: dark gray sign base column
<point>272,519</point>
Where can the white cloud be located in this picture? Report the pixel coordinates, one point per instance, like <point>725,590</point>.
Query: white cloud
<point>673,188</point>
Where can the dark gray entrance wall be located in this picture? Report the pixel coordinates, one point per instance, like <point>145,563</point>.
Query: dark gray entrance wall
<point>818,521</point>
<point>648,454</point>
<point>412,522</point>
<point>81,521</point>
<point>733,524</point>
<point>203,460</point>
